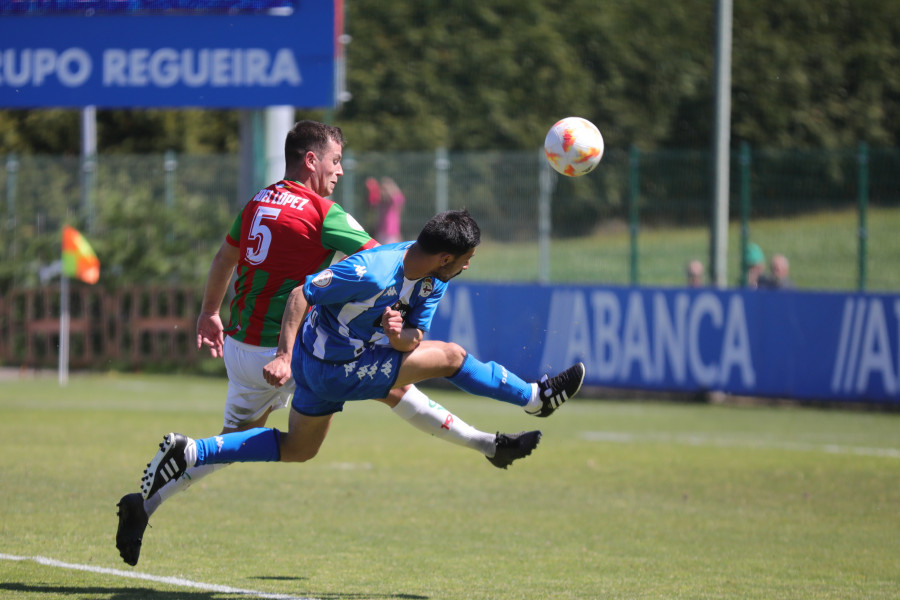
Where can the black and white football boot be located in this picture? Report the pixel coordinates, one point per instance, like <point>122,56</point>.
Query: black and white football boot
<point>554,391</point>
<point>168,464</point>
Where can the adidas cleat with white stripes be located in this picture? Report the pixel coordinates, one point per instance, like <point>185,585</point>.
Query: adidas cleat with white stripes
<point>168,464</point>
<point>554,391</point>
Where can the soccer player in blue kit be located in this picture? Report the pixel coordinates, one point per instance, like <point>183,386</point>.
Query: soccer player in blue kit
<point>363,337</point>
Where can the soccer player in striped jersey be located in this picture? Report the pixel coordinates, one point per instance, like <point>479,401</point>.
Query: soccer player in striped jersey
<point>364,338</point>
<point>286,232</point>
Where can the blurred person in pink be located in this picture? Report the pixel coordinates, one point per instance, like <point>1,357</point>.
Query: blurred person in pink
<point>389,200</point>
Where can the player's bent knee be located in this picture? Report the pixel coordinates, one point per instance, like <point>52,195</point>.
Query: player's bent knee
<point>455,354</point>
<point>297,447</point>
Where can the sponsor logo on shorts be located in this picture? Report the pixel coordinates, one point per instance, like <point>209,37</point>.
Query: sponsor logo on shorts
<point>370,370</point>
<point>387,368</point>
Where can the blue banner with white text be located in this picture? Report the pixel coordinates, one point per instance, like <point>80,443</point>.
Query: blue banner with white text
<point>785,343</point>
<point>197,55</point>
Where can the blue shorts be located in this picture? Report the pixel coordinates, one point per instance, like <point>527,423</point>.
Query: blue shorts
<point>322,387</point>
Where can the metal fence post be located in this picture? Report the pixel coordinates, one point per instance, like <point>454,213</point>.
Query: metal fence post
<point>10,224</point>
<point>88,183</point>
<point>744,159</point>
<point>348,185</point>
<point>12,176</point>
<point>88,164</point>
<point>441,180</point>
<point>634,187</point>
<point>546,183</point>
<point>863,193</point>
<point>170,165</point>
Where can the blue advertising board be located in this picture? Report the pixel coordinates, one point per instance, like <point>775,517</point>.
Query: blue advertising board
<point>787,344</point>
<point>167,54</point>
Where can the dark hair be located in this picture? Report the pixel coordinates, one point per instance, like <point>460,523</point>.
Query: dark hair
<point>453,231</point>
<point>309,135</point>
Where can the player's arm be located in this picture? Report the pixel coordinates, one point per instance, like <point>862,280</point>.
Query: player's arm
<point>349,280</point>
<point>402,338</point>
<point>405,337</point>
<point>278,371</point>
<point>209,323</point>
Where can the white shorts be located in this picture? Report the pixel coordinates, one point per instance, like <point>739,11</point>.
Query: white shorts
<point>249,396</point>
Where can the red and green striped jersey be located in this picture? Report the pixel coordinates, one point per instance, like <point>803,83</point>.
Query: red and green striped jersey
<point>284,233</point>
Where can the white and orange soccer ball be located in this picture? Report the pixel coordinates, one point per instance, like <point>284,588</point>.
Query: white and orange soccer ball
<point>574,146</point>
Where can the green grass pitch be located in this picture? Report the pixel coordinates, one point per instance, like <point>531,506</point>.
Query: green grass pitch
<point>627,500</point>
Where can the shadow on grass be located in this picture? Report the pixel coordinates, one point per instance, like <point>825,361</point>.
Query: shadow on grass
<point>142,593</point>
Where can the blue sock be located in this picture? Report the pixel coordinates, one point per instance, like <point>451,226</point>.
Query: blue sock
<point>253,445</point>
<point>491,380</point>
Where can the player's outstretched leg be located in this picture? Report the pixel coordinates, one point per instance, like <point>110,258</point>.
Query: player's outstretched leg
<point>553,391</point>
<point>168,464</point>
<point>132,523</point>
<point>513,446</point>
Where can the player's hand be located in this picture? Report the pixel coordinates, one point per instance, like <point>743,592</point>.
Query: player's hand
<point>392,322</point>
<point>210,333</point>
<point>401,337</point>
<point>278,371</point>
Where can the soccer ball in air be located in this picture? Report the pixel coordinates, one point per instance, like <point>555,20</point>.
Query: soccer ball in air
<point>573,146</point>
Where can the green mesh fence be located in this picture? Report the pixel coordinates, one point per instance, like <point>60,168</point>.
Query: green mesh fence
<point>638,218</point>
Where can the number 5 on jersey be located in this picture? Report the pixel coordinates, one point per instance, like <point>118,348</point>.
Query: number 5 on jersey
<point>260,236</point>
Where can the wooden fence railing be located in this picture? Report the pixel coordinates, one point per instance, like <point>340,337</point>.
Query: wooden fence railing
<point>127,327</point>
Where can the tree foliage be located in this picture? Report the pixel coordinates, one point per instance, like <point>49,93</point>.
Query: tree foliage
<point>495,74</point>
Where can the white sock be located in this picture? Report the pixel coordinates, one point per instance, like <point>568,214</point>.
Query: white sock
<point>190,476</point>
<point>429,416</point>
<point>535,403</point>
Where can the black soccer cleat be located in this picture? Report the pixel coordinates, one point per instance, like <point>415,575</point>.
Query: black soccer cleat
<point>168,464</point>
<point>556,390</point>
<point>513,446</point>
<point>133,521</point>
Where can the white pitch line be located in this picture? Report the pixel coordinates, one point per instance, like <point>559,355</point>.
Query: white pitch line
<point>207,587</point>
<point>722,442</point>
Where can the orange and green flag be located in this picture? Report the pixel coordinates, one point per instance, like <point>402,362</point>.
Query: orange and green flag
<point>78,258</point>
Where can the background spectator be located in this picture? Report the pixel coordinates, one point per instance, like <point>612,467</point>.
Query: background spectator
<point>694,272</point>
<point>389,201</point>
<point>755,261</point>
<point>779,278</point>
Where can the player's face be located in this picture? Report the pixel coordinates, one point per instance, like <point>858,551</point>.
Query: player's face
<point>454,266</point>
<point>328,169</point>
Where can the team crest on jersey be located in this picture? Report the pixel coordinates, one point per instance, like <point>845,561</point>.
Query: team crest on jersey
<point>427,287</point>
<point>323,279</point>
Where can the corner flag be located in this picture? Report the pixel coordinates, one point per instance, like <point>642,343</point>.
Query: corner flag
<point>78,258</point>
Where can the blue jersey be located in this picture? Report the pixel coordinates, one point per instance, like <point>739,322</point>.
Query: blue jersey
<point>349,299</point>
